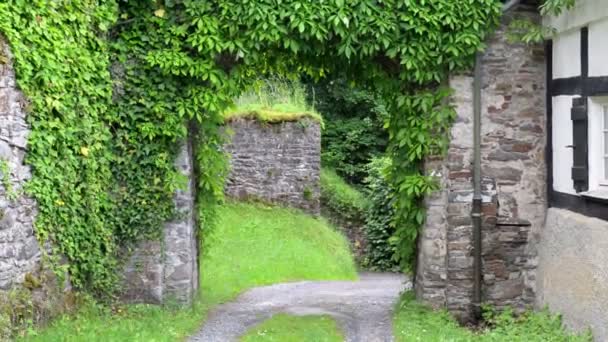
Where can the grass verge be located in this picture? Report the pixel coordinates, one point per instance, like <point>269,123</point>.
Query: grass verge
<point>340,196</point>
<point>286,328</point>
<point>252,245</point>
<point>415,322</point>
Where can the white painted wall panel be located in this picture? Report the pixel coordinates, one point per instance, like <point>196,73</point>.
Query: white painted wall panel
<point>585,12</point>
<point>562,137</point>
<point>567,55</point>
<point>598,48</point>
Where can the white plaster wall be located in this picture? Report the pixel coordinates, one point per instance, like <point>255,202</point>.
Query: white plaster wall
<point>573,270</point>
<point>562,137</point>
<point>584,12</point>
<point>567,55</point>
<point>598,47</point>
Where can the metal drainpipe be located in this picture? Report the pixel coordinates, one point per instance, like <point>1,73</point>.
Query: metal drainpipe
<point>476,212</point>
<point>477,199</point>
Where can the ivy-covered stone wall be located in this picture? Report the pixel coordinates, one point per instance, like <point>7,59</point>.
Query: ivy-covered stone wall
<point>276,162</point>
<point>19,249</point>
<point>166,269</point>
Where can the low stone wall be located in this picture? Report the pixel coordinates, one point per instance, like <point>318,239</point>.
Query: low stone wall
<point>167,270</point>
<point>573,270</point>
<point>275,162</point>
<point>19,249</point>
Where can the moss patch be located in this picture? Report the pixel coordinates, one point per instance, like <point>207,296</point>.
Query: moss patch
<point>270,115</point>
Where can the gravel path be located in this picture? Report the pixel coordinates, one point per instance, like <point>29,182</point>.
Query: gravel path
<point>362,308</point>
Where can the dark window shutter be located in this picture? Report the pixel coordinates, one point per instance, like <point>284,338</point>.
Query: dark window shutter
<point>580,169</point>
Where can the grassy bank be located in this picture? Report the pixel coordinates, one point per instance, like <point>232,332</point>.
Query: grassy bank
<point>252,245</point>
<point>285,328</point>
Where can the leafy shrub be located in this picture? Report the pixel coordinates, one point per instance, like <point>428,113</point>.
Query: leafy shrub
<point>341,197</point>
<point>378,230</point>
<point>353,132</point>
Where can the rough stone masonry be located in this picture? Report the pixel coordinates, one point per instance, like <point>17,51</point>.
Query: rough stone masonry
<point>19,249</point>
<point>276,162</point>
<point>513,170</point>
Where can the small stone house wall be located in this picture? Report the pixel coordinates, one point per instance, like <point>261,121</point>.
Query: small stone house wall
<point>19,249</point>
<point>275,162</point>
<point>513,186</point>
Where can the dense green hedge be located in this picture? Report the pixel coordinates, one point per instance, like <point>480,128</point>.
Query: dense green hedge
<point>379,231</point>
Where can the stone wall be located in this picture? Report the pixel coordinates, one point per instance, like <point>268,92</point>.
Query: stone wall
<point>166,270</point>
<point>19,249</point>
<point>573,270</point>
<point>513,170</point>
<point>276,162</point>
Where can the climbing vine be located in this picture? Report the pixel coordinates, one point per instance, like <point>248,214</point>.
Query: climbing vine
<point>62,64</point>
<point>115,85</point>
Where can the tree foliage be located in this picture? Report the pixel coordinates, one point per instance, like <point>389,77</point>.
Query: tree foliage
<point>102,164</point>
<point>354,126</point>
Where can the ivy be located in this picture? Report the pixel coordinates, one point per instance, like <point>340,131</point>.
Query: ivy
<point>61,59</point>
<point>114,86</point>
<point>403,49</point>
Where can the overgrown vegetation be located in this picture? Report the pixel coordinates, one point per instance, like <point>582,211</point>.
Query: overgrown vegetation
<point>236,256</point>
<point>285,328</point>
<point>62,62</point>
<point>416,322</point>
<point>102,145</point>
<point>379,230</point>
<point>354,127</point>
<point>345,206</point>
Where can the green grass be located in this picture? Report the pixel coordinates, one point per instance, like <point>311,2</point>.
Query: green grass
<point>285,328</point>
<point>273,100</point>
<point>259,245</point>
<point>252,245</point>
<point>340,196</point>
<point>416,322</point>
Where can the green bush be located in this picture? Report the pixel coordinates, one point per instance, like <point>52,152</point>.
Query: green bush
<point>340,197</point>
<point>380,251</point>
<point>353,132</point>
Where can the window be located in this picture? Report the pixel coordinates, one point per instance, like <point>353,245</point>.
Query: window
<point>597,156</point>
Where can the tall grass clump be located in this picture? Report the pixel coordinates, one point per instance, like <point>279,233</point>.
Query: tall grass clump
<point>273,99</point>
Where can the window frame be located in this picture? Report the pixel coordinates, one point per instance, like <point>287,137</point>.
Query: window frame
<point>603,181</point>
